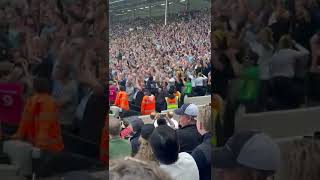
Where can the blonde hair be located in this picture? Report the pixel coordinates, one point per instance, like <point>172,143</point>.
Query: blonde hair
<point>304,160</point>
<point>145,151</point>
<point>218,107</point>
<point>154,115</point>
<point>285,42</point>
<point>135,169</point>
<point>170,114</point>
<point>268,33</point>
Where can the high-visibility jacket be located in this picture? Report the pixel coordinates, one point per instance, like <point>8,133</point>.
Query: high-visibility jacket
<point>39,124</point>
<point>172,103</point>
<point>122,100</point>
<point>148,105</point>
<point>104,145</point>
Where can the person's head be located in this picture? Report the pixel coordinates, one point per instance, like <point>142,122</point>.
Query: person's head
<point>188,114</point>
<point>170,114</point>
<point>42,85</point>
<point>114,127</point>
<point>161,121</point>
<point>131,168</point>
<point>153,115</point>
<point>219,40</point>
<point>247,155</point>
<point>164,143</point>
<point>135,124</point>
<point>285,42</point>
<point>265,36</point>
<point>145,152</point>
<point>122,88</point>
<point>147,92</point>
<point>62,72</point>
<point>205,122</point>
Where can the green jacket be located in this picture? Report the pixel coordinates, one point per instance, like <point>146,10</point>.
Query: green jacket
<point>250,84</point>
<point>119,148</point>
<point>188,88</point>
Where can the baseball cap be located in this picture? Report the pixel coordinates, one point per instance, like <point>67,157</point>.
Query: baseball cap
<point>250,149</point>
<point>187,109</point>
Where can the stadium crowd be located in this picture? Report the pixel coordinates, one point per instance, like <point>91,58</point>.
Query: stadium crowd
<point>148,58</point>
<point>53,71</point>
<point>266,56</point>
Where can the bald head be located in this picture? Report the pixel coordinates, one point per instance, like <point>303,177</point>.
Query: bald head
<point>114,126</point>
<point>170,114</point>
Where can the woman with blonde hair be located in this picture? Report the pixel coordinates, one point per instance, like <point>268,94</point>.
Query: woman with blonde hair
<point>202,153</point>
<point>132,168</point>
<point>145,152</point>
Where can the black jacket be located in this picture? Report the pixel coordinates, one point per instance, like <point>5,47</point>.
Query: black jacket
<point>202,155</point>
<point>134,140</point>
<point>189,138</point>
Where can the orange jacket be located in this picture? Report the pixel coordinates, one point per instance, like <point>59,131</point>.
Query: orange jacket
<point>122,100</point>
<point>39,124</point>
<point>148,105</point>
<point>104,145</point>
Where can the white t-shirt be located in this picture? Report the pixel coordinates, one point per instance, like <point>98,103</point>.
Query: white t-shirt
<point>183,169</point>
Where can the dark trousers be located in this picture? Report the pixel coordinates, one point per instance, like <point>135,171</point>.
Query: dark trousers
<point>287,92</point>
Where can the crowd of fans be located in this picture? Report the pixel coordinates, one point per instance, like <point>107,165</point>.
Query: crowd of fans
<point>146,55</point>
<point>55,52</point>
<point>181,153</point>
<point>266,55</point>
<point>61,42</point>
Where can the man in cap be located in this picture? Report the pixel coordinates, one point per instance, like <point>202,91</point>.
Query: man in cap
<point>188,135</point>
<point>247,156</point>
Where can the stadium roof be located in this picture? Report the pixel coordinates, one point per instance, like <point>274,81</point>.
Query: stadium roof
<point>127,9</point>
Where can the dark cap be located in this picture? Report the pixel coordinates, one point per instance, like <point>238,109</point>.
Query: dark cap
<point>146,131</point>
<point>250,149</point>
<point>136,123</point>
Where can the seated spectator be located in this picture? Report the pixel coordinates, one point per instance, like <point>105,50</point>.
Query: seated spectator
<point>188,135</point>
<point>39,124</point>
<point>135,169</point>
<point>247,156</point>
<point>202,153</point>
<point>118,148</point>
<point>165,146</point>
<point>135,123</point>
<point>145,152</point>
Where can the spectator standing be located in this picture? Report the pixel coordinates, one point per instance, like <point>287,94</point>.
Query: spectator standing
<point>202,153</point>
